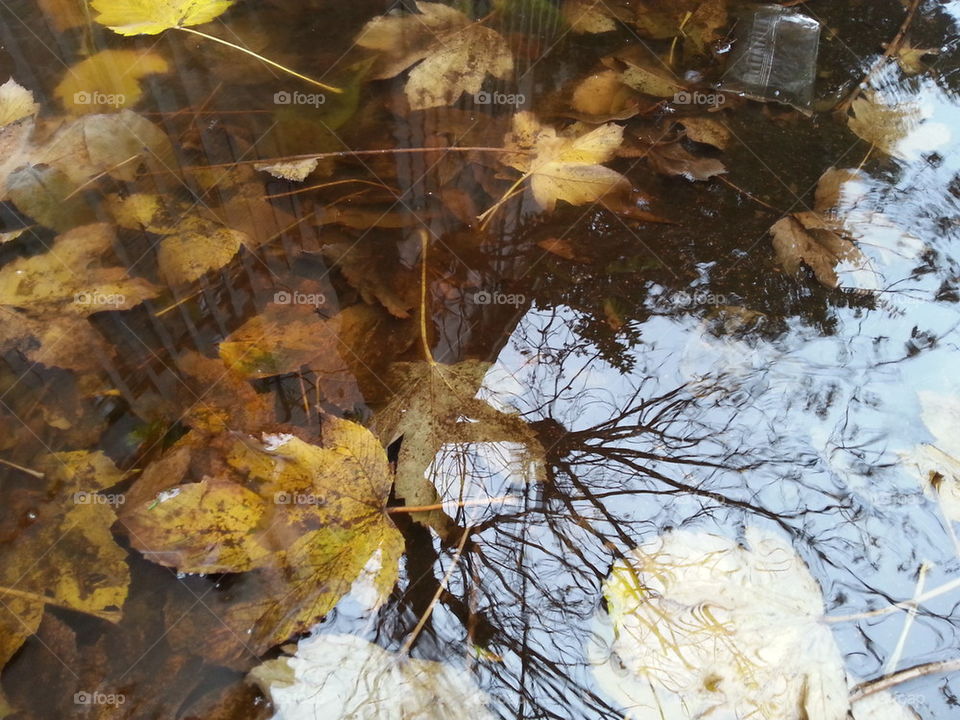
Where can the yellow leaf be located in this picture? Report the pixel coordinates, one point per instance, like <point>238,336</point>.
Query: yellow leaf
<point>198,246</point>
<point>910,58</point>
<point>455,54</point>
<point>882,125</point>
<point>16,103</point>
<point>588,16</point>
<point>107,81</point>
<point>149,17</point>
<point>564,167</point>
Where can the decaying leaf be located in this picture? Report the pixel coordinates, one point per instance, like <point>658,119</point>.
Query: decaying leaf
<point>650,80</point>
<point>707,628</point>
<point>343,676</point>
<point>910,58</point>
<point>360,264</point>
<point>107,81</point>
<point>73,277</point>
<point>817,238</point>
<point>588,16</point>
<point>66,556</point>
<point>198,247</point>
<point>564,166</point>
<point>142,17</point>
<point>604,95</point>
<point>295,170</point>
<point>706,130</point>
<point>673,159</point>
<point>937,465</point>
<point>881,125</point>
<point>454,53</point>
<point>436,405</point>
<point>309,518</point>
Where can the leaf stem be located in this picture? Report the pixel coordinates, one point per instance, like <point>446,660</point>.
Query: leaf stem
<point>261,58</point>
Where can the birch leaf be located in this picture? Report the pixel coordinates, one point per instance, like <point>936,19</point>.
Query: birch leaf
<point>706,628</point>
<point>454,53</point>
<point>107,81</point>
<point>588,16</point>
<point>564,167</point>
<point>16,103</point>
<point>150,17</point>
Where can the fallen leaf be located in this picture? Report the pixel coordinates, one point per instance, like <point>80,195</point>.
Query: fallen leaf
<point>64,14</point>
<point>910,58</point>
<point>295,170</point>
<point>361,265</point>
<point>435,406</point>
<point>107,81</point>
<point>603,94</point>
<point>703,627</point>
<point>650,80</point>
<point>199,246</point>
<point>697,22</point>
<point>72,277</point>
<point>587,16</point>
<point>16,103</point>
<point>706,130</point>
<point>454,53</point>
<point>309,519</point>
<point>817,238</point>
<point>46,194</point>
<point>343,676</point>
<point>563,247</point>
<point>144,17</point>
<point>66,556</point>
<point>883,126</point>
<point>937,465</point>
<point>564,166</point>
<point>673,159</point>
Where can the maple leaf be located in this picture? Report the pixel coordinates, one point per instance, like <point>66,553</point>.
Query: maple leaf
<point>454,53</point>
<point>308,519</point>
<point>562,166</point>
<point>150,17</point>
<point>881,125</point>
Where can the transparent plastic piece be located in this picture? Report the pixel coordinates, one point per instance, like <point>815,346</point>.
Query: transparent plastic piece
<point>774,56</point>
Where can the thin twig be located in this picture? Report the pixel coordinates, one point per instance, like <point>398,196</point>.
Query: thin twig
<point>893,47</point>
<point>261,58</point>
<point>411,638</point>
<point>749,195</point>
<point>35,473</point>
<point>441,506</point>
<point>869,687</point>
<point>904,605</point>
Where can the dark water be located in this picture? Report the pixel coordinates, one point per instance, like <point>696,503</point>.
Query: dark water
<point>676,375</point>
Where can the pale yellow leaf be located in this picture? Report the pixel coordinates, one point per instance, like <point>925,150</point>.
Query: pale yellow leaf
<point>149,17</point>
<point>107,81</point>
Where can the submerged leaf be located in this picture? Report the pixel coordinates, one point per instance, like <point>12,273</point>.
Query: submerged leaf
<point>197,247</point>
<point>454,54</point>
<point>107,81</point>
<point>588,16</point>
<point>342,676</point>
<point>707,628</point>
<point>66,557</point>
<point>149,17</point>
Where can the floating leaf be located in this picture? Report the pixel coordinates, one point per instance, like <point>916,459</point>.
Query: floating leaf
<point>149,17</point>
<point>703,627</point>
<point>296,170</point>
<point>342,676</point>
<point>910,58</point>
<point>564,166</point>
<point>66,556</point>
<point>454,53</point>
<point>436,405</point>
<point>107,81</point>
<point>818,238</point>
<point>937,465</point>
